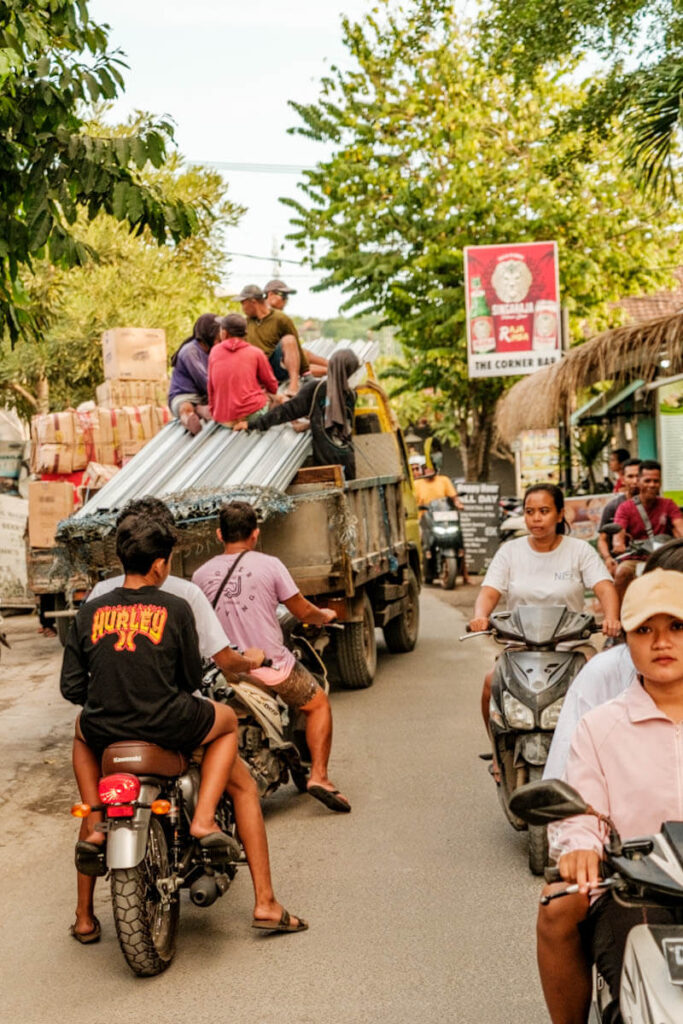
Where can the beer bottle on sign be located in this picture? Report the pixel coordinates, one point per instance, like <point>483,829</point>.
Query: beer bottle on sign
<point>481,321</point>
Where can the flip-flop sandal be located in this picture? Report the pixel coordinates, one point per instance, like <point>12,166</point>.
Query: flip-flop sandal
<point>332,798</point>
<point>285,924</point>
<point>220,846</point>
<point>86,938</point>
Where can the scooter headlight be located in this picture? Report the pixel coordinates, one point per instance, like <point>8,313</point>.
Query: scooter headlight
<point>550,715</point>
<point>518,715</point>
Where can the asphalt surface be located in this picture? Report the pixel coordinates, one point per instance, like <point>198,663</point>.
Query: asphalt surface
<point>420,903</point>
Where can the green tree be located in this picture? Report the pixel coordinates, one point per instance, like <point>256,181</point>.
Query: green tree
<point>133,282</point>
<point>639,93</point>
<point>433,151</point>
<point>53,63</point>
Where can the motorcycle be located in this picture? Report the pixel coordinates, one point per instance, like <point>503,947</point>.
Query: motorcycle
<point>442,541</point>
<point>148,797</point>
<point>637,550</point>
<point>638,872</point>
<point>529,684</point>
<point>272,737</point>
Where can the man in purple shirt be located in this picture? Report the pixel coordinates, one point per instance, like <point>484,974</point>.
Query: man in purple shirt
<point>645,515</point>
<point>246,605</point>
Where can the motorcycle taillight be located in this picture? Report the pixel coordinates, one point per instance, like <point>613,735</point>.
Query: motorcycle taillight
<point>120,788</point>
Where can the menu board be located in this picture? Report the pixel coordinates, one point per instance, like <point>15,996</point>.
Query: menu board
<point>480,521</point>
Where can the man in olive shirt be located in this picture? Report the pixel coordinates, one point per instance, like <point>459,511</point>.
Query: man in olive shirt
<point>274,333</point>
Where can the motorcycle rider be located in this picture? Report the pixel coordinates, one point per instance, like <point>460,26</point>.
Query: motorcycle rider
<point>247,608</point>
<point>545,567</point>
<point>429,486</point>
<point>629,488</point>
<point>623,762</point>
<point>644,515</point>
<point>241,787</point>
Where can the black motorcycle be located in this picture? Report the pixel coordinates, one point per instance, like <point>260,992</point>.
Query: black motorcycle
<point>442,542</point>
<point>529,684</point>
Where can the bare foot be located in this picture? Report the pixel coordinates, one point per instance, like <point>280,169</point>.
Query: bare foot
<point>85,924</point>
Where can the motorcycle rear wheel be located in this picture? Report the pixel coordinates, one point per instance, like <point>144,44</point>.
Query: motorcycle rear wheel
<point>146,928</point>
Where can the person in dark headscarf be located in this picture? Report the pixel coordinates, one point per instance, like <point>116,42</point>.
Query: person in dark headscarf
<point>328,405</point>
<point>188,393</point>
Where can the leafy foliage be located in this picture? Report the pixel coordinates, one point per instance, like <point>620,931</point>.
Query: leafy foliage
<point>433,151</point>
<point>640,44</point>
<point>133,282</point>
<point>53,63</point>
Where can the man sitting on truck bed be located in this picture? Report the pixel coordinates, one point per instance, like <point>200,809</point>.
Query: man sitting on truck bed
<point>247,609</point>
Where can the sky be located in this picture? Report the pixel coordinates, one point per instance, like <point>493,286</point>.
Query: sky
<point>224,73</point>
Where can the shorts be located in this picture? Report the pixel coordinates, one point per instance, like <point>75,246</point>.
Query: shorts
<point>605,931</point>
<point>177,401</point>
<point>298,688</point>
<point>195,720</point>
<point>275,360</point>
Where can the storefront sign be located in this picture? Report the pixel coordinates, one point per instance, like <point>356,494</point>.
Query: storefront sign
<point>480,521</point>
<point>670,430</point>
<point>513,308</point>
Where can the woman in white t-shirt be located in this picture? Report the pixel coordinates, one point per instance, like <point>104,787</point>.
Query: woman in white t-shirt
<point>546,567</point>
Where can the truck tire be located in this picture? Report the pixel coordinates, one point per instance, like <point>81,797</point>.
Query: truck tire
<point>400,633</point>
<point>357,651</point>
<point>538,834</point>
<point>449,572</point>
<point>145,929</point>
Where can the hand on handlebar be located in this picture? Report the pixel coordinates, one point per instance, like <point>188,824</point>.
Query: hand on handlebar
<point>479,625</point>
<point>581,867</point>
<point>255,656</point>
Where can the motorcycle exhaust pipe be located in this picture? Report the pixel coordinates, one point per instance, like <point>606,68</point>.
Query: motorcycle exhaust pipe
<point>204,891</point>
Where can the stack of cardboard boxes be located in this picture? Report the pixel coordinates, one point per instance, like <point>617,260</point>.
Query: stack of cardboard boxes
<point>79,450</point>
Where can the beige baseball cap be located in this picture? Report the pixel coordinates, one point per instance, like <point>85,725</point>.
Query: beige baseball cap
<point>659,592</point>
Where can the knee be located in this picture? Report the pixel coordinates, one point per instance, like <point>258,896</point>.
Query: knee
<point>289,344</point>
<point>316,703</point>
<point>226,719</point>
<point>560,919</point>
<point>241,782</point>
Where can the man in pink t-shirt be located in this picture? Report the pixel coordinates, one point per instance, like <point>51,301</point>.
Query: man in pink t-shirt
<point>239,377</point>
<point>247,607</point>
<point>663,515</point>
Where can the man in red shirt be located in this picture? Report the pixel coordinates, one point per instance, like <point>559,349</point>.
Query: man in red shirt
<point>634,515</point>
<point>240,377</point>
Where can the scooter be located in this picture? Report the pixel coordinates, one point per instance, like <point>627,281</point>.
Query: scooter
<point>442,541</point>
<point>148,797</point>
<point>638,872</point>
<point>272,738</point>
<point>512,521</point>
<point>529,684</point>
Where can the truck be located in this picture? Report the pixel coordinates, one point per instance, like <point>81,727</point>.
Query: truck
<point>352,546</point>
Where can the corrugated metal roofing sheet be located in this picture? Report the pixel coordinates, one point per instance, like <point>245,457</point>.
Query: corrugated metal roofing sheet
<point>217,458</point>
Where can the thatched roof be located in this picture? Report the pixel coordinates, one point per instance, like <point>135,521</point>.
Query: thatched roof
<point>636,350</point>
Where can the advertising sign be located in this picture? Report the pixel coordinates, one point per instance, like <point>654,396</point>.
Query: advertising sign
<point>670,424</point>
<point>583,514</point>
<point>513,308</point>
<point>537,458</point>
<point>480,520</point>
<point>14,590</point>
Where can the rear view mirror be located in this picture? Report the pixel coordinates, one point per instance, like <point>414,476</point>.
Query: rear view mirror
<point>538,803</point>
<point>611,529</point>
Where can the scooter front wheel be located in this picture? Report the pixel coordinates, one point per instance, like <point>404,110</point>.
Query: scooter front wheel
<point>449,572</point>
<point>538,834</point>
<point>146,927</point>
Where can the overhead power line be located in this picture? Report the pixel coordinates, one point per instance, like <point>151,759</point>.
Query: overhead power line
<point>253,168</point>
<point>269,259</point>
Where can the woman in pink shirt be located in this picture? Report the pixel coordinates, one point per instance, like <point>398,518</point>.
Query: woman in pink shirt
<point>626,760</point>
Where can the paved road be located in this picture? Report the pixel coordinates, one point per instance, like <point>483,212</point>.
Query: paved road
<point>420,902</point>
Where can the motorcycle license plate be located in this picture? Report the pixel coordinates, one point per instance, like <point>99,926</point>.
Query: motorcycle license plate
<point>445,517</point>
<point>673,950</point>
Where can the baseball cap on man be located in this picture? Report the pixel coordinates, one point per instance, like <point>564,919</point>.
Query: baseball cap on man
<point>659,592</point>
<point>250,291</point>
<point>279,286</point>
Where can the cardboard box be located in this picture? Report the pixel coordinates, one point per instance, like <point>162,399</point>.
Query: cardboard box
<point>48,503</point>
<point>113,394</point>
<point>58,443</point>
<point>55,427</point>
<point>134,353</point>
<point>52,458</point>
<point>136,423</point>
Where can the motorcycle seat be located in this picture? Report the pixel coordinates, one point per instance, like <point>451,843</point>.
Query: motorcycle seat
<point>140,758</point>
